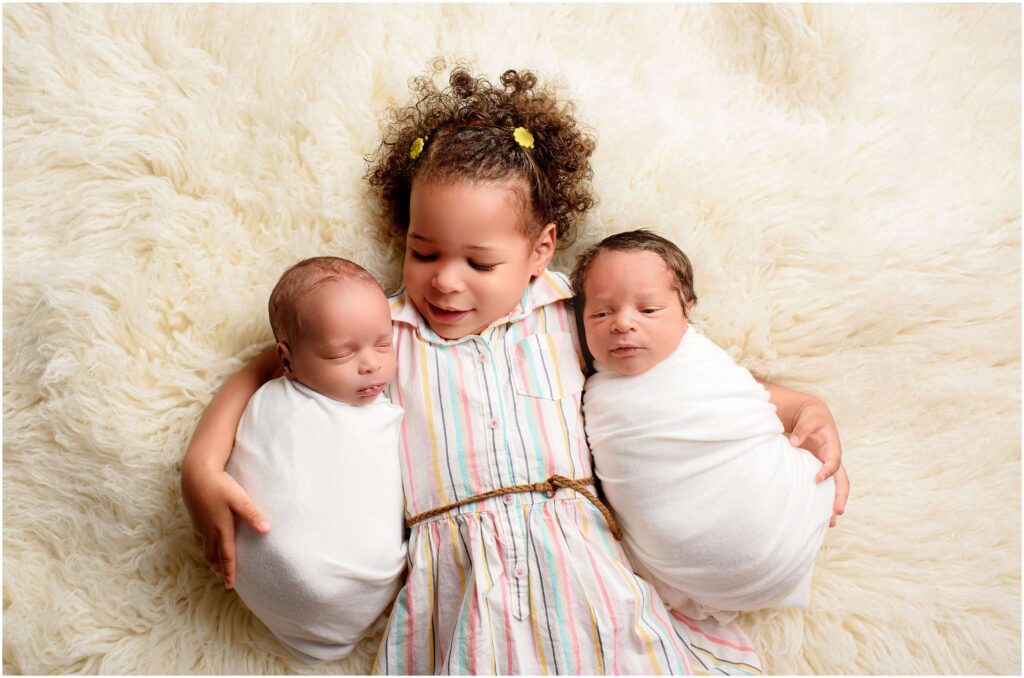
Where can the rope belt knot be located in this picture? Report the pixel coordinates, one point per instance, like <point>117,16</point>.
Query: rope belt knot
<point>549,487</point>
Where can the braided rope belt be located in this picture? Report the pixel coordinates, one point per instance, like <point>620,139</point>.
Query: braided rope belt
<point>549,487</point>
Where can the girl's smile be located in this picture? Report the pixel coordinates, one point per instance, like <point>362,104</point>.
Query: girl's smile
<point>468,260</point>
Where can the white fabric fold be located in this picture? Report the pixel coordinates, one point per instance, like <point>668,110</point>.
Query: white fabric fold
<point>326,474</point>
<point>721,514</point>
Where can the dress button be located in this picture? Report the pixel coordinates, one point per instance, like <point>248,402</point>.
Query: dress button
<point>508,498</point>
<point>483,357</point>
<point>493,424</point>
<point>520,572</point>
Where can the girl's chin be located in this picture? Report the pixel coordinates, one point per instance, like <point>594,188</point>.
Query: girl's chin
<point>451,333</point>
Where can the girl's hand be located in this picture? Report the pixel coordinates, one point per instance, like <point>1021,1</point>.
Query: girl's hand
<point>213,499</point>
<point>814,430</point>
<point>842,492</point>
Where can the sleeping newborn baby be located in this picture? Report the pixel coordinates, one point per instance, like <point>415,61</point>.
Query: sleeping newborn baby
<point>720,513</point>
<point>317,450</point>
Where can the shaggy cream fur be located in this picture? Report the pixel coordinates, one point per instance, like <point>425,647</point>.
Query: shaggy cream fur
<point>845,179</point>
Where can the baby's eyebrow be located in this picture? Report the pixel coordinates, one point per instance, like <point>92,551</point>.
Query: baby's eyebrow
<point>337,344</point>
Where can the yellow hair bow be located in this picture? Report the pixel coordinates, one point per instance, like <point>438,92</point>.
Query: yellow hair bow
<point>523,137</point>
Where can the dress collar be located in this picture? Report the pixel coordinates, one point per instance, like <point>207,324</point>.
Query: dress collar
<point>545,289</point>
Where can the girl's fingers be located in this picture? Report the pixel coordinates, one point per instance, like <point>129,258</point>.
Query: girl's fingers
<point>828,469</point>
<point>254,517</point>
<point>227,560</point>
<point>830,460</point>
<point>243,507</point>
<point>211,553</point>
<point>842,491</point>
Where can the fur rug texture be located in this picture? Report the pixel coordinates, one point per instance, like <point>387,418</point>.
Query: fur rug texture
<point>846,180</point>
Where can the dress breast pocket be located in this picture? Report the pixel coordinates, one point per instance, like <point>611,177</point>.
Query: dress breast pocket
<point>546,366</point>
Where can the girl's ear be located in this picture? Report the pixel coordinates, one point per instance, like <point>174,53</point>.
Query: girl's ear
<point>284,354</point>
<point>543,249</point>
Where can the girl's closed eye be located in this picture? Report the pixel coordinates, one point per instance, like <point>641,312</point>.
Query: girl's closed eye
<point>420,256</point>
<point>482,267</point>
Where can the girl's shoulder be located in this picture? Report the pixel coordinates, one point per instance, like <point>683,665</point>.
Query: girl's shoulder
<point>547,288</point>
<point>402,310</point>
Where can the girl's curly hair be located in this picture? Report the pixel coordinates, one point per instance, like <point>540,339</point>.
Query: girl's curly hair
<point>467,132</point>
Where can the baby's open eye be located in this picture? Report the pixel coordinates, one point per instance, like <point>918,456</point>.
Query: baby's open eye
<point>649,310</point>
<point>482,267</point>
<point>599,314</point>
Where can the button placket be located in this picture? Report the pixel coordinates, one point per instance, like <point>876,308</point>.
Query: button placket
<point>517,563</point>
<point>490,443</point>
<point>514,521</point>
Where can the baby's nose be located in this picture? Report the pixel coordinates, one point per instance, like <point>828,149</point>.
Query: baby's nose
<point>623,323</point>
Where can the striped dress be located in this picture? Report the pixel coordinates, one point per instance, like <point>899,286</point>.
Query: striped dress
<point>521,583</point>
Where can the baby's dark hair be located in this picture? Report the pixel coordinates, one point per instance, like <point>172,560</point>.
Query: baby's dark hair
<point>640,240</point>
<point>300,280</point>
<point>465,131</point>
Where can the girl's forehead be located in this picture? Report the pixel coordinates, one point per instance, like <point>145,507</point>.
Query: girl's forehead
<point>467,213</point>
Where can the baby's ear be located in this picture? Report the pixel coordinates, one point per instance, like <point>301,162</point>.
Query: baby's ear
<point>284,354</point>
<point>687,307</point>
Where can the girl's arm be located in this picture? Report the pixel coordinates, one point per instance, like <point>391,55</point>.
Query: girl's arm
<point>211,496</point>
<point>813,428</point>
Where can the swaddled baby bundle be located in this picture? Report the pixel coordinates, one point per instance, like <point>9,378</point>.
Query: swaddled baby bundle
<point>721,514</point>
<point>326,475</point>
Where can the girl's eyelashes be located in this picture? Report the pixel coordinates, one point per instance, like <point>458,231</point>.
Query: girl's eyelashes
<point>420,256</point>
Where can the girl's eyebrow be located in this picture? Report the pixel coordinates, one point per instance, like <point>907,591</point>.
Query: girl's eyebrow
<point>423,238</point>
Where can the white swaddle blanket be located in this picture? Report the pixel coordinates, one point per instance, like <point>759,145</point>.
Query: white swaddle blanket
<point>720,513</point>
<point>327,476</point>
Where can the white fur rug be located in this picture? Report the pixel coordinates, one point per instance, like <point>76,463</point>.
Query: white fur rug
<point>845,179</point>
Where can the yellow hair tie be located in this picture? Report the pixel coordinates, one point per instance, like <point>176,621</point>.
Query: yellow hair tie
<point>523,137</point>
<point>417,147</point>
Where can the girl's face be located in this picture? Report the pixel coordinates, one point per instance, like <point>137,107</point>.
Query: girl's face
<point>467,262</point>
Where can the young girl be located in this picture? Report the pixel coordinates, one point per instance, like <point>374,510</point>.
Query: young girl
<point>507,573</point>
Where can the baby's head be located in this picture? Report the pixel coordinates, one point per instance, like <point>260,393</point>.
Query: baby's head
<point>332,324</point>
<point>637,290</point>
<point>483,181</point>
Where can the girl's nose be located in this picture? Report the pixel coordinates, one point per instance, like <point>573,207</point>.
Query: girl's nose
<point>446,280</point>
<point>369,365</point>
